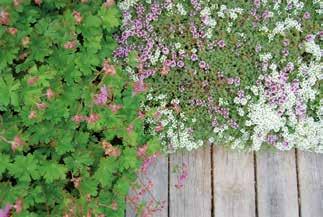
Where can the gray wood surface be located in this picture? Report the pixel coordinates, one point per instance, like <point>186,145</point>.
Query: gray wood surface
<point>278,184</point>
<point>277,194</point>
<point>158,174</point>
<point>234,184</point>
<point>310,171</point>
<point>194,199</point>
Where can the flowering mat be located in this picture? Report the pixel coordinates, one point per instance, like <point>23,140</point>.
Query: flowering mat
<point>92,91</point>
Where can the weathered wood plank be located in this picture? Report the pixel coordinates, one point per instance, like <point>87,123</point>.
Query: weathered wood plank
<point>310,171</point>
<point>277,184</point>
<point>234,183</point>
<point>194,198</point>
<point>158,174</point>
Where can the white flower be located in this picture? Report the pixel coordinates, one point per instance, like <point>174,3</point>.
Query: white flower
<point>312,48</point>
<point>181,9</point>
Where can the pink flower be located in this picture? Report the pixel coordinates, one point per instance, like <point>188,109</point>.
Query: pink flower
<point>102,97</point>
<point>19,205</point>
<point>107,68</point>
<point>147,163</point>
<point>78,118</point>
<point>93,118</point>
<point>16,143</point>
<point>77,17</point>
<point>159,128</point>
<point>70,45</point>
<point>139,87</point>
<point>41,106</point>
<point>182,178</point>
<point>115,107</point>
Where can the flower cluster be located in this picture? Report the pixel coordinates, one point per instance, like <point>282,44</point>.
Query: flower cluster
<point>244,73</point>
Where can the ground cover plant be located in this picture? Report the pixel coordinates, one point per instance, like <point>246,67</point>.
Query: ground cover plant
<point>71,138</point>
<point>247,74</point>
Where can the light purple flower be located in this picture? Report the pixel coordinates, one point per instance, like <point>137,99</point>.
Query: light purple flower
<point>165,50</point>
<point>285,52</point>
<point>307,15</point>
<point>272,139</point>
<point>258,48</point>
<point>102,97</point>
<point>221,43</point>
<point>194,57</point>
<point>6,211</point>
<point>180,64</point>
<point>285,42</point>
<point>256,3</point>
<point>309,38</point>
<point>202,64</point>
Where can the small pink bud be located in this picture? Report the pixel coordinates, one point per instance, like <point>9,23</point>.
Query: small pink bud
<point>130,128</point>
<point>25,41</point>
<point>93,118</point>
<point>78,118</point>
<point>165,70</point>
<point>107,68</point>
<point>33,80</point>
<point>159,128</point>
<point>12,31</point>
<point>141,152</point>
<point>76,181</point>
<point>19,205</point>
<point>23,55</point>
<point>115,107</point>
<point>4,17</point>
<point>141,115</point>
<point>49,94</point>
<point>38,2</point>
<point>77,17</point>
<point>16,3</point>
<point>41,106</point>
<point>139,87</point>
<point>109,3</point>
<point>32,115</point>
<point>70,44</point>
<point>16,143</point>
<point>114,206</point>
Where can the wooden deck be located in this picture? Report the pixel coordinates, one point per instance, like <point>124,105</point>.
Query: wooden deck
<point>230,184</point>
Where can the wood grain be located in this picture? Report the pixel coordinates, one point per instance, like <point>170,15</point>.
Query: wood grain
<point>158,174</point>
<point>310,170</point>
<point>277,184</point>
<point>234,183</point>
<point>194,199</point>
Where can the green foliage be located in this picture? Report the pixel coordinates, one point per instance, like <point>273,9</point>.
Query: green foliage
<point>51,70</point>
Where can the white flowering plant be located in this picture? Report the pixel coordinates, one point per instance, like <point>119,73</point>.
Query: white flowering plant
<point>247,74</point>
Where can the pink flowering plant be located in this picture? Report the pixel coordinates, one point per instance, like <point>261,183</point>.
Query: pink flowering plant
<point>247,74</point>
<point>70,125</point>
